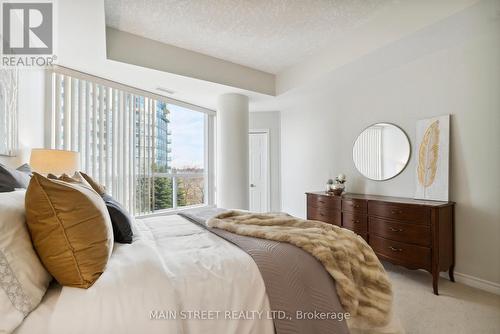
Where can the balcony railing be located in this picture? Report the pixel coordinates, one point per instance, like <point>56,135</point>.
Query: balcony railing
<point>187,189</point>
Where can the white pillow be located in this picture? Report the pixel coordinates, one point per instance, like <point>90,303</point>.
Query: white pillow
<point>23,279</point>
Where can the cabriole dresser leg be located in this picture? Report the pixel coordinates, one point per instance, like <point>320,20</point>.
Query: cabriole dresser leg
<point>435,280</point>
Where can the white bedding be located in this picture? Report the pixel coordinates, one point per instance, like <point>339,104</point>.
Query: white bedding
<point>172,265</point>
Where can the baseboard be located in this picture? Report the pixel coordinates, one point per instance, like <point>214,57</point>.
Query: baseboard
<point>475,282</point>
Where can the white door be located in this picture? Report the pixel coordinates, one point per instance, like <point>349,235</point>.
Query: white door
<point>259,172</point>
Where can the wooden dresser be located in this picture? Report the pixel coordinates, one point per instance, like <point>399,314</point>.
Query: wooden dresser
<point>412,233</point>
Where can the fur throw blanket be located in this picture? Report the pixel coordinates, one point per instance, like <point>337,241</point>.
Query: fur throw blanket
<point>362,284</point>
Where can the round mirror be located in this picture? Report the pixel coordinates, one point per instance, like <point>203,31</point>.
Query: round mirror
<point>381,151</point>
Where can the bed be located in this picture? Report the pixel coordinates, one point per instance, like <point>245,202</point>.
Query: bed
<point>175,277</point>
<point>172,269</point>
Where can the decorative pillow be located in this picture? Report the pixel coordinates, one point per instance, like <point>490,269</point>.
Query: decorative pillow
<point>25,168</point>
<point>70,228</point>
<point>23,279</point>
<point>122,222</point>
<point>10,179</point>
<point>95,185</point>
<point>76,178</point>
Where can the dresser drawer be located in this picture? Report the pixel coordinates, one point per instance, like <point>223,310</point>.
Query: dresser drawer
<point>354,205</point>
<point>323,201</point>
<point>355,222</point>
<point>404,212</point>
<point>324,215</point>
<point>402,253</point>
<point>403,232</point>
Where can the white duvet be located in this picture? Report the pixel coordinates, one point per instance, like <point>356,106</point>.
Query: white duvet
<point>172,269</point>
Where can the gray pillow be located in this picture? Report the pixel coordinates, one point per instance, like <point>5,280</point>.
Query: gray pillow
<point>10,179</point>
<point>120,219</point>
<point>25,168</point>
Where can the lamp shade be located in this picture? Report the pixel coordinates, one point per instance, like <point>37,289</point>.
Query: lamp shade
<point>45,161</point>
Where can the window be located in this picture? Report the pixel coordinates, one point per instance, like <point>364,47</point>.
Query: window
<point>179,167</point>
<point>151,153</point>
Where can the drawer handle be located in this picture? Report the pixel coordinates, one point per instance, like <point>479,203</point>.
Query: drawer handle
<point>322,202</point>
<point>321,214</point>
<point>396,229</point>
<point>394,249</point>
<point>395,212</point>
<point>355,221</point>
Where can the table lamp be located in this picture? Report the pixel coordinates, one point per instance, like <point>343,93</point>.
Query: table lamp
<point>57,162</point>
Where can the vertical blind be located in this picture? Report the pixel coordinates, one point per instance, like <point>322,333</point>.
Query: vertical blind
<point>114,132</point>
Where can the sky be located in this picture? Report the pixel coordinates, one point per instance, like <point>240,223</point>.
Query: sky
<point>187,137</point>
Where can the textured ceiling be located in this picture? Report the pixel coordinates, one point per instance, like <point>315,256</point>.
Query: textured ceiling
<point>268,35</point>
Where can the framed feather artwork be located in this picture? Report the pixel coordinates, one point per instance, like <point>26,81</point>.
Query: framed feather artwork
<point>433,158</point>
<point>8,111</point>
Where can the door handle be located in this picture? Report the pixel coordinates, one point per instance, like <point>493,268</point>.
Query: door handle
<point>252,185</point>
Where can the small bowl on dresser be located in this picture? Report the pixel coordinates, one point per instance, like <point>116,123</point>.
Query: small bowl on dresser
<point>337,191</point>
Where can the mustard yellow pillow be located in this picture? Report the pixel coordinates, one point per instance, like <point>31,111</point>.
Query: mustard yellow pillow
<point>101,190</point>
<point>70,229</point>
<point>76,178</point>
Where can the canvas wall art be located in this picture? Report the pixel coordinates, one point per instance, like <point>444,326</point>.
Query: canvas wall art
<point>8,111</point>
<point>432,154</point>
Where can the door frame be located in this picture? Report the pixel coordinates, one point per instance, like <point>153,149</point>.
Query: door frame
<point>268,178</point>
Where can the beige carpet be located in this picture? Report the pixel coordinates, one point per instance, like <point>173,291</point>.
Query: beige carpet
<point>458,309</point>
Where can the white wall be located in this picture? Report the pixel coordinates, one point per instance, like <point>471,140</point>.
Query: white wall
<point>31,115</point>
<point>452,67</point>
<point>270,120</point>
